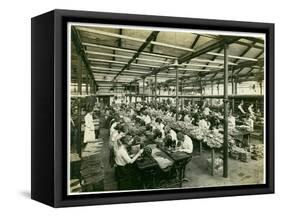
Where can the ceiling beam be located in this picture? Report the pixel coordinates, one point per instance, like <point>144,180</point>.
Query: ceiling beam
<point>91,30</point>
<point>259,63</point>
<point>244,64</point>
<point>195,41</point>
<point>117,70</point>
<point>124,57</point>
<point>150,38</point>
<point>230,77</point>
<point>209,46</point>
<point>75,36</point>
<point>257,56</point>
<point>152,66</point>
<point>164,56</point>
<point>122,63</point>
<point>255,39</point>
<point>242,55</point>
<point>119,43</point>
<point>154,42</point>
<point>127,50</point>
<point>241,42</point>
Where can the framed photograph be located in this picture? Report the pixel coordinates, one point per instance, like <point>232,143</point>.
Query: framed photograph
<point>134,108</point>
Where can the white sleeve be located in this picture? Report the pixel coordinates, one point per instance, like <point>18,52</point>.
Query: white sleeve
<point>89,122</point>
<point>125,156</point>
<point>187,145</point>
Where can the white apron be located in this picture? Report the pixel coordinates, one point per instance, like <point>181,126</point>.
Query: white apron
<point>89,133</point>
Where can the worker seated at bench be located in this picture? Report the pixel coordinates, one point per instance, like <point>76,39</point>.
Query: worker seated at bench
<point>184,143</point>
<point>124,169</point>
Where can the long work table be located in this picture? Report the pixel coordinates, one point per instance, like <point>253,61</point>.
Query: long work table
<point>161,166</point>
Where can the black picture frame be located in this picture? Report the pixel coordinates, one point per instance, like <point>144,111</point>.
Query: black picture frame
<point>49,102</point>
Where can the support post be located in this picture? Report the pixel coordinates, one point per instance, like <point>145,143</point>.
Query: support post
<point>150,91</point>
<point>94,88</point>
<point>155,92</point>
<point>79,71</point>
<point>201,92</point>
<point>201,87</point>
<point>232,89</point>
<point>87,83</point>
<point>182,99</point>
<point>130,90</point>
<point>212,91</point>
<point>143,82</point>
<point>225,137</point>
<point>236,86</point>
<point>126,93</point>
<point>177,94</point>
<point>91,86</point>
<point>213,162</point>
<point>159,93</point>
<point>136,92</point>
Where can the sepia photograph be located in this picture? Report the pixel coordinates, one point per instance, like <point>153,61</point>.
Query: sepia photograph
<point>154,108</point>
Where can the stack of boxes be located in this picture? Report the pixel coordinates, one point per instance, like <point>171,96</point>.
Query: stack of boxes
<point>92,173</point>
<point>257,151</point>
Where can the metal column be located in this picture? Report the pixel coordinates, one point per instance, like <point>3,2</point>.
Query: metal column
<point>177,94</point>
<point>87,83</point>
<point>232,89</point>
<point>201,91</point>
<point>155,88</point>
<point>143,81</point>
<point>212,91</point>
<point>91,86</point>
<point>130,90</point>
<point>79,133</point>
<point>236,86</point>
<point>136,92</point>
<point>182,99</point>
<point>225,136</point>
<point>126,93</point>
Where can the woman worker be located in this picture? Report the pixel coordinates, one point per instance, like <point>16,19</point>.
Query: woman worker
<point>203,124</point>
<point>160,126</point>
<point>251,111</point>
<point>185,143</point>
<point>123,164</point>
<point>172,133</point>
<point>241,110</point>
<point>249,122</point>
<point>89,134</point>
